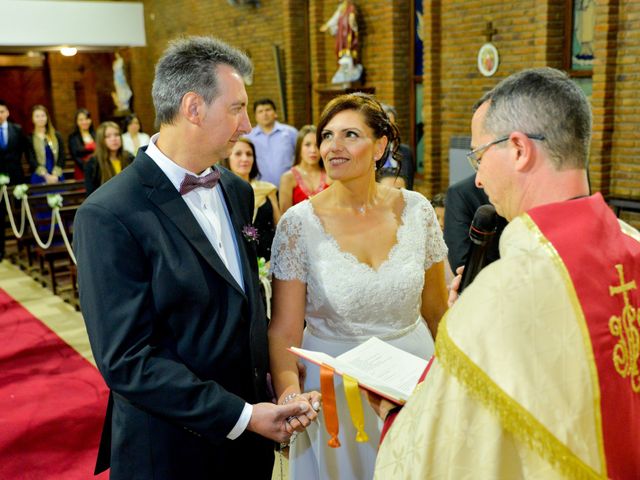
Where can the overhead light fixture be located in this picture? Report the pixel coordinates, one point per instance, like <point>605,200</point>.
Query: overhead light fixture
<point>68,51</point>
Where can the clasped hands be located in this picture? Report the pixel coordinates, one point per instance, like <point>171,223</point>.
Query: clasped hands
<point>311,400</point>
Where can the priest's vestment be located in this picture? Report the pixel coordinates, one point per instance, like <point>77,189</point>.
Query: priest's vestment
<point>537,369</point>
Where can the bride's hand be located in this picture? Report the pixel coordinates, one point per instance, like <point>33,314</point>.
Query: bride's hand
<point>302,421</point>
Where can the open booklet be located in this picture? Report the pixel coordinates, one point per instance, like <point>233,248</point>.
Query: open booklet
<point>376,365</point>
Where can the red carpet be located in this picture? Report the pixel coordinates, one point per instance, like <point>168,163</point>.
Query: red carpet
<point>52,402</point>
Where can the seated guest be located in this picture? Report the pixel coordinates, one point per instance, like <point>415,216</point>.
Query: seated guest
<point>533,376</point>
<point>266,212</point>
<point>133,137</point>
<point>437,202</point>
<point>307,176</point>
<point>82,142</point>
<point>110,157</point>
<point>391,178</point>
<point>403,161</point>
<point>45,148</point>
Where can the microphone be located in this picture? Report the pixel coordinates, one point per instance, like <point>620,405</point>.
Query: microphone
<point>481,232</point>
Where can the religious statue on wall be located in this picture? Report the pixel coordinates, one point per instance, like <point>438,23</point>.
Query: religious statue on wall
<point>343,25</point>
<point>584,23</point>
<point>122,95</point>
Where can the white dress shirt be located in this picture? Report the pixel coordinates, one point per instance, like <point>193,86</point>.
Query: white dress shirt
<point>210,211</point>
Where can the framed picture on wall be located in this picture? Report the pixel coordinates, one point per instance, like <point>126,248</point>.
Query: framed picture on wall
<point>580,29</point>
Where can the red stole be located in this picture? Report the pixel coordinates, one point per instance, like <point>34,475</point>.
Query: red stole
<point>604,266</point>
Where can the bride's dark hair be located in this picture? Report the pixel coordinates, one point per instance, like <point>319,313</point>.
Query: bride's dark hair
<point>374,115</point>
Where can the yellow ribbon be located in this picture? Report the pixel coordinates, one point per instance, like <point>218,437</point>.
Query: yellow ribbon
<point>354,400</point>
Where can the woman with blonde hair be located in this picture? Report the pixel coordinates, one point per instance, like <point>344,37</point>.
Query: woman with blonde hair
<point>307,177</point>
<point>45,148</point>
<point>110,158</point>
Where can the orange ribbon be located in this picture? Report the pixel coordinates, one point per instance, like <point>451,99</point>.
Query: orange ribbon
<point>329,405</point>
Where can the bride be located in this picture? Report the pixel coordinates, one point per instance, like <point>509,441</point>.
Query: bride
<point>355,261</point>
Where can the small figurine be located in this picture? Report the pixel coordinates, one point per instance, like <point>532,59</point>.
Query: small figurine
<point>344,27</point>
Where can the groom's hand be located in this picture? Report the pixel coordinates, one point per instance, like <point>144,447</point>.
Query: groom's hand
<point>270,420</point>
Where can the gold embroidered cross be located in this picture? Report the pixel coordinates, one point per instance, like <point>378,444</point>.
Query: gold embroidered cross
<point>627,327</point>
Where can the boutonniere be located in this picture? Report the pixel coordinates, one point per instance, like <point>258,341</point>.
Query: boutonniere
<point>250,233</point>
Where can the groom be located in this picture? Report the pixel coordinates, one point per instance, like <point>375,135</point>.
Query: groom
<point>169,288</point>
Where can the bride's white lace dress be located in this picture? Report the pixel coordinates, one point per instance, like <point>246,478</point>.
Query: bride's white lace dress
<point>348,302</point>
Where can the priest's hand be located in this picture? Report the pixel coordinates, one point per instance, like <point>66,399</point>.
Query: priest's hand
<point>455,286</point>
<point>380,405</point>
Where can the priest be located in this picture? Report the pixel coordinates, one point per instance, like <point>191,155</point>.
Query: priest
<point>537,369</point>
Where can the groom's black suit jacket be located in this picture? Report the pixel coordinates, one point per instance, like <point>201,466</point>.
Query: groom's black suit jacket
<point>178,342</point>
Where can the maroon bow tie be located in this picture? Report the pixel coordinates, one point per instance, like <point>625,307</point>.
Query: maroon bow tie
<point>191,182</point>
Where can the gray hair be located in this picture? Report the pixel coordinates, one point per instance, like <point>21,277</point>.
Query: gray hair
<point>189,65</point>
<point>543,101</point>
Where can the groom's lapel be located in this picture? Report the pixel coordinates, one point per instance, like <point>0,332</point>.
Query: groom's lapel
<point>232,200</point>
<point>164,195</point>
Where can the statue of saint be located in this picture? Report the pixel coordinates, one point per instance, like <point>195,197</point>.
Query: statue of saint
<point>122,95</point>
<point>344,27</point>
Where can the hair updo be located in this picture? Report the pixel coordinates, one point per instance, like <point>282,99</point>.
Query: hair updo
<point>374,116</point>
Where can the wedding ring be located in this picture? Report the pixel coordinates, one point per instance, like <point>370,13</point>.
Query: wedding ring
<point>292,417</point>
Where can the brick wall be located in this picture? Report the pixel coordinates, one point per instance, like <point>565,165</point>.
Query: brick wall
<point>452,82</point>
<point>619,79</point>
<point>616,145</point>
<point>384,34</point>
<point>253,30</point>
<point>84,80</point>
<point>530,33</point>
<point>307,57</point>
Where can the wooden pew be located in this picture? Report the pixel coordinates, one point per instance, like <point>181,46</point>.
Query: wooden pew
<point>37,194</point>
<point>53,262</point>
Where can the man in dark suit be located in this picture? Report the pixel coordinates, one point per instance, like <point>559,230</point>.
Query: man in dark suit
<point>169,288</point>
<point>462,200</point>
<point>12,150</point>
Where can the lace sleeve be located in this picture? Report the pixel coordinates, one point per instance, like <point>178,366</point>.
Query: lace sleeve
<point>288,253</point>
<point>436,250</point>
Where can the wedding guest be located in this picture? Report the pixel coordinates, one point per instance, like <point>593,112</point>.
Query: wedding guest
<point>438,204</point>
<point>391,178</point>
<point>266,212</point>
<point>404,164</point>
<point>82,142</point>
<point>110,158</point>
<point>274,141</point>
<point>133,138</point>
<point>335,258</point>
<point>12,150</point>
<point>307,176</point>
<point>45,148</point>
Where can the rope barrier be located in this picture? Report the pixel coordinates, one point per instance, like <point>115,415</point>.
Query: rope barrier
<point>54,201</point>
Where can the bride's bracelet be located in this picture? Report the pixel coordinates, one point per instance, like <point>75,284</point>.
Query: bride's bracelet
<point>289,397</point>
